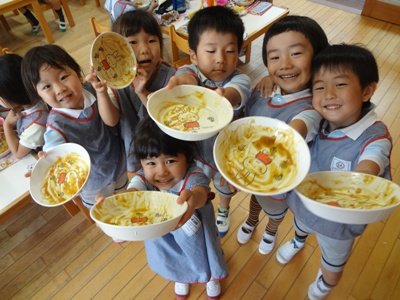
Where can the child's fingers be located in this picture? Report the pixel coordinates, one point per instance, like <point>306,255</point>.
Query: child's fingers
<point>42,154</point>
<point>173,81</point>
<point>230,186</point>
<point>99,198</point>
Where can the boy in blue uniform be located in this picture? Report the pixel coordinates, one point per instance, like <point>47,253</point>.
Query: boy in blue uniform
<point>25,123</point>
<point>215,40</point>
<point>288,48</point>
<point>51,74</point>
<point>350,138</point>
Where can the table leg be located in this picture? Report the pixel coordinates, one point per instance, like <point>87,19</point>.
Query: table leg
<point>83,208</point>
<point>5,23</point>
<point>42,21</point>
<point>248,53</point>
<point>71,208</point>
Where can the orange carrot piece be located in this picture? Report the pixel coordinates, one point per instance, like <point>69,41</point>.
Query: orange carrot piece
<point>61,179</point>
<point>139,220</point>
<point>333,203</point>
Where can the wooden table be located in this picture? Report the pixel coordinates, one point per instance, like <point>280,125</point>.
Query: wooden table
<point>255,25</point>
<point>10,5</point>
<point>14,187</point>
<point>14,191</point>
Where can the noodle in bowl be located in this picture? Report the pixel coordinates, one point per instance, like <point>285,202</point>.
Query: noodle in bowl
<point>138,216</point>
<point>261,155</point>
<point>189,112</point>
<point>61,175</point>
<point>349,197</point>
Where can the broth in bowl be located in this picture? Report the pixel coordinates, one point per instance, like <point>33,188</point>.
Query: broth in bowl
<point>349,197</point>
<point>139,215</point>
<point>261,155</point>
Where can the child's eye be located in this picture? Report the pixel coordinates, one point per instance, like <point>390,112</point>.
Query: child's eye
<point>150,163</point>
<point>45,87</point>
<point>170,161</point>
<point>341,84</point>
<point>133,42</point>
<point>273,57</point>
<point>230,51</point>
<point>152,41</point>
<point>210,51</point>
<point>318,88</point>
<point>296,53</point>
<point>64,77</point>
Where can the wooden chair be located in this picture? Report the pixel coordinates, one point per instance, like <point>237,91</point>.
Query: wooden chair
<point>83,2</point>
<point>98,27</point>
<point>178,43</point>
<point>65,7</point>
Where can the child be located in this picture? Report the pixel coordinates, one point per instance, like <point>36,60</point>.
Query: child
<point>289,46</point>
<point>215,40</point>
<point>143,33</point>
<point>118,7</point>
<point>28,118</point>
<point>192,253</point>
<point>55,5</point>
<point>51,74</point>
<point>351,138</point>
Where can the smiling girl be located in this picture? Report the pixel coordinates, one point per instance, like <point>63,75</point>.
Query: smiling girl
<point>142,32</point>
<point>192,253</point>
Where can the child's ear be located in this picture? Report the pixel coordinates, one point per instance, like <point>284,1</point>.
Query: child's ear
<point>193,57</point>
<point>369,90</point>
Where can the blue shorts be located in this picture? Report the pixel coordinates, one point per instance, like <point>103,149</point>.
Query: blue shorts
<point>88,197</point>
<point>220,184</point>
<point>335,253</point>
<point>275,207</point>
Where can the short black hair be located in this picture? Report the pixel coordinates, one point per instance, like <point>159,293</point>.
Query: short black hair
<point>52,55</point>
<point>218,18</point>
<point>133,21</point>
<point>151,141</point>
<point>353,57</point>
<point>12,89</point>
<point>305,25</point>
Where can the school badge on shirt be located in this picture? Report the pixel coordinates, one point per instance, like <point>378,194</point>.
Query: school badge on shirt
<point>340,164</point>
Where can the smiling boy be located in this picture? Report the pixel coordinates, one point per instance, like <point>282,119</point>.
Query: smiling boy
<point>215,39</point>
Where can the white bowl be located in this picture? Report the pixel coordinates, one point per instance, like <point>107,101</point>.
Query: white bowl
<point>350,185</point>
<point>261,156</point>
<point>141,3</point>
<point>4,147</point>
<point>114,214</point>
<point>243,2</point>
<point>41,170</point>
<point>113,60</point>
<point>189,112</point>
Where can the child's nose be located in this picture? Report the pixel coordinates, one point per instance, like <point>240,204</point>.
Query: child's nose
<point>60,88</point>
<point>285,62</point>
<point>163,170</point>
<point>329,94</point>
<point>220,58</point>
<point>144,49</point>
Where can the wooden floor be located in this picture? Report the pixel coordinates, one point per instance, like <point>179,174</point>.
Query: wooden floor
<point>46,254</point>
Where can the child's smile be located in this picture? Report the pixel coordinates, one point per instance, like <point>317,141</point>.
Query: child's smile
<point>164,171</point>
<point>289,57</point>
<point>60,88</point>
